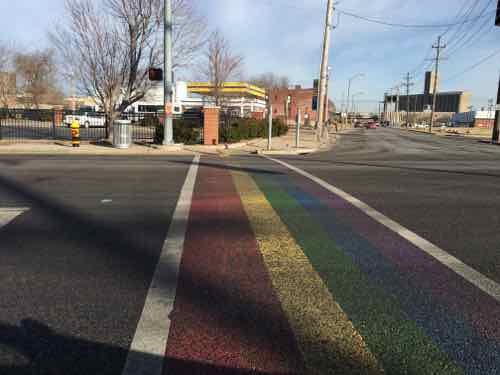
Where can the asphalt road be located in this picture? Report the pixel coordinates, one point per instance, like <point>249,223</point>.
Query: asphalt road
<point>278,275</point>
<point>75,268</point>
<point>447,190</point>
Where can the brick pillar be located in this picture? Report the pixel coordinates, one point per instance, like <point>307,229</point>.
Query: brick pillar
<point>211,125</point>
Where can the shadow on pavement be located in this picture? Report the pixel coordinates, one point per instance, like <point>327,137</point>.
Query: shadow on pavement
<point>221,165</point>
<point>384,166</point>
<point>40,350</point>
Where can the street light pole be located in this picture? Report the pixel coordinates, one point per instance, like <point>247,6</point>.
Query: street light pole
<point>349,90</point>
<point>354,95</point>
<point>168,137</point>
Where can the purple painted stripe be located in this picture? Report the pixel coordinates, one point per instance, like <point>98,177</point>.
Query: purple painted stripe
<point>423,271</point>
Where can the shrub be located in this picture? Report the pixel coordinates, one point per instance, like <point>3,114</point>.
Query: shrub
<point>185,131</point>
<point>249,128</point>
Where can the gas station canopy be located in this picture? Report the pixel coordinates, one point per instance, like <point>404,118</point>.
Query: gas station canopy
<point>238,89</point>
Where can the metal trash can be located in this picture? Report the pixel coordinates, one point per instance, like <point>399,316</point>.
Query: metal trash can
<point>122,134</point>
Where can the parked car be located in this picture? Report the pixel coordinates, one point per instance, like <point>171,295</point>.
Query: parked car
<point>371,125</point>
<point>87,120</point>
<point>358,124</point>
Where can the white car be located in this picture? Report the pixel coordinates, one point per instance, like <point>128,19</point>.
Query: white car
<point>87,120</point>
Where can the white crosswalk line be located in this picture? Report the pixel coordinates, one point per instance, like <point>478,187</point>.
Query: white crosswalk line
<point>474,277</point>
<point>149,345</point>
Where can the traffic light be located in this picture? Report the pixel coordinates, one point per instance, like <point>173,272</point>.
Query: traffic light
<point>155,74</point>
<point>497,18</point>
<point>315,103</point>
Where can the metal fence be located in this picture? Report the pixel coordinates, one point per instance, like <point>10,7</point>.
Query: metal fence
<point>18,125</point>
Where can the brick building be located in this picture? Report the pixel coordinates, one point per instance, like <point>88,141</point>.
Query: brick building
<point>300,98</point>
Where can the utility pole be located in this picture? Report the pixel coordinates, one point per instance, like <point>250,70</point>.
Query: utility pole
<point>297,130</point>
<point>270,128</point>
<point>408,84</point>
<point>324,67</point>
<point>397,104</point>
<point>496,125</point>
<point>168,136</point>
<point>438,47</point>
<point>385,106</point>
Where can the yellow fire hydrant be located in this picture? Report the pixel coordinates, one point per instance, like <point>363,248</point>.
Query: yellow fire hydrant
<point>75,133</point>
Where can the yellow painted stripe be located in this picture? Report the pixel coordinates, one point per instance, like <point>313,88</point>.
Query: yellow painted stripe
<point>329,342</point>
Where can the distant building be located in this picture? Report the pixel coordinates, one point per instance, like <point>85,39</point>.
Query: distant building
<point>474,119</point>
<point>300,98</point>
<point>446,102</point>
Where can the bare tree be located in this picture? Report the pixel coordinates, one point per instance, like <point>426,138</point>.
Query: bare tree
<point>7,79</point>
<point>189,30</point>
<point>271,81</point>
<point>109,46</point>
<point>35,73</point>
<point>220,65</point>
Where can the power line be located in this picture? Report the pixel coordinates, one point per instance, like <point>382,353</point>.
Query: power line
<point>412,26</point>
<point>459,13</point>
<point>467,13</point>
<point>384,22</point>
<point>473,66</point>
<point>474,36</point>
<point>470,34</point>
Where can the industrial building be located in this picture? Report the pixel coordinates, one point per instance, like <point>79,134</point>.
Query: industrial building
<point>473,119</point>
<point>446,102</point>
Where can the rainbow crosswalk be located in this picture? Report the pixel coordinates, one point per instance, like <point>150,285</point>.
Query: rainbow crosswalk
<point>280,276</point>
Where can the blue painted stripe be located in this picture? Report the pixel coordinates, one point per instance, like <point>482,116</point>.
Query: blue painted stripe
<point>474,353</point>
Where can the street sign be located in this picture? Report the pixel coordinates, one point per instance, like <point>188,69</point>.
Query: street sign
<point>497,107</point>
<point>168,109</point>
<point>155,74</point>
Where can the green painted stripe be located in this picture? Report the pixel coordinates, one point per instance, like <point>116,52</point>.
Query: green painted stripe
<point>327,339</point>
<point>399,345</point>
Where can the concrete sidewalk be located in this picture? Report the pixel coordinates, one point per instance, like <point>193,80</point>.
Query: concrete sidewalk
<point>65,148</point>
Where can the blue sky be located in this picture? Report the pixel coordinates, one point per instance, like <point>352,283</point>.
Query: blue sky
<point>284,36</point>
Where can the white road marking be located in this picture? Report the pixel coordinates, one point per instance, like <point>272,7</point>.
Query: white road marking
<point>9,214</point>
<point>107,201</point>
<point>147,351</point>
<point>476,278</point>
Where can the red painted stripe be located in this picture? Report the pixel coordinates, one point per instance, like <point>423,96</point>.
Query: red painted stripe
<point>227,317</point>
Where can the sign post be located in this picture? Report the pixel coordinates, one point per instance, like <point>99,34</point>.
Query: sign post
<point>168,136</point>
